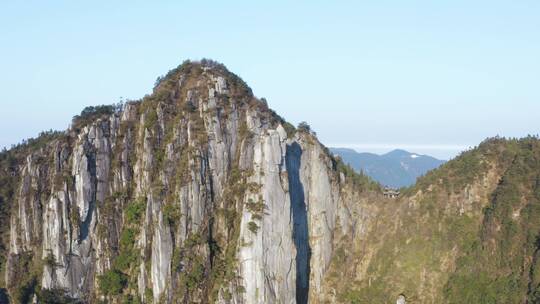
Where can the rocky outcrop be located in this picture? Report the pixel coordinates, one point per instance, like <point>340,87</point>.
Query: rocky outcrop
<point>197,192</point>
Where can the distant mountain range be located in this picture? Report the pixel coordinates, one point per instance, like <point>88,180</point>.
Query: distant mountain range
<point>397,168</point>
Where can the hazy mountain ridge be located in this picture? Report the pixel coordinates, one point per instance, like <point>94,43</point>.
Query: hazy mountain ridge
<point>397,168</point>
<point>199,193</point>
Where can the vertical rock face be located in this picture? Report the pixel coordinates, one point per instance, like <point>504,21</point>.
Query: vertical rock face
<point>70,213</point>
<point>196,193</point>
<point>266,233</point>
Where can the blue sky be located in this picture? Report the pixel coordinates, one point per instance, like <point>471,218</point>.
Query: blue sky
<point>430,76</point>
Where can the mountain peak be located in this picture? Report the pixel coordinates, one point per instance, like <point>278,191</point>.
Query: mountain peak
<point>397,168</point>
<point>206,83</point>
<point>199,70</point>
<point>398,153</point>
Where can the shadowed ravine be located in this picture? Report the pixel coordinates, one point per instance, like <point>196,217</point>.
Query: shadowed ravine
<point>300,225</point>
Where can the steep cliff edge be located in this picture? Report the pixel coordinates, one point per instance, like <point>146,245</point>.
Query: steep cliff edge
<point>196,193</point>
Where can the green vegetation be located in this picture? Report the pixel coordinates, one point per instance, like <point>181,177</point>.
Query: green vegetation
<point>91,113</point>
<point>148,293</point>
<point>252,226</point>
<point>112,282</point>
<point>25,290</point>
<point>171,214</point>
<point>127,254</point>
<point>135,210</point>
<point>493,243</point>
<point>469,165</point>
<point>150,119</point>
<point>189,265</point>
<point>304,127</point>
<point>56,296</point>
<point>243,130</point>
<point>195,275</point>
<point>489,271</point>
<point>17,152</point>
<point>115,280</point>
<point>290,129</point>
<point>8,167</point>
<point>257,212</point>
<point>49,260</point>
<point>238,87</point>
<point>131,299</point>
<point>74,216</point>
<point>24,284</point>
<point>415,249</point>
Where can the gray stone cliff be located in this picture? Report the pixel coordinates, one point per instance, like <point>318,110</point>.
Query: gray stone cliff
<point>237,207</point>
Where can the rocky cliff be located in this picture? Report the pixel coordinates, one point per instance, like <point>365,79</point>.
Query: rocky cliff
<point>199,193</point>
<point>196,193</point>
